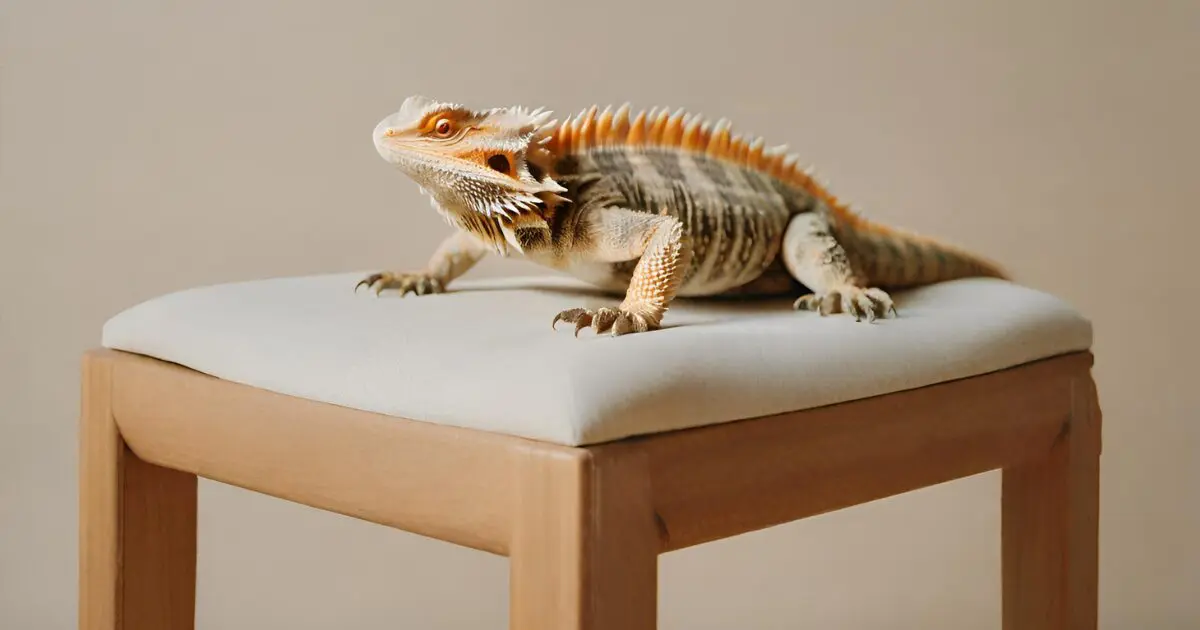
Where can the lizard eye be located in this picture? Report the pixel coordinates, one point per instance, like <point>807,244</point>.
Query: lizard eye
<point>443,127</point>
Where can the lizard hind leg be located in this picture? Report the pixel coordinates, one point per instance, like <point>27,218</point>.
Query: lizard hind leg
<point>813,255</point>
<point>663,251</point>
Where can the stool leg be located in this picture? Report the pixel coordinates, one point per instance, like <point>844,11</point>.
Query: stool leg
<point>584,553</point>
<point>137,527</point>
<point>1050,528</point>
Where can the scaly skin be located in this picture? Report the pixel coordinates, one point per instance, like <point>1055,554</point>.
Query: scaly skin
<point>656,206</point>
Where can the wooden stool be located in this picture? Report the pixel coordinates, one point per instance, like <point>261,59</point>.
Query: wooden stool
<point>463,417</point>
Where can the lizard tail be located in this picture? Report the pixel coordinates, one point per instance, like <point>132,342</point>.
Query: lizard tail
<point>890,257</point>
<point>898,259</point>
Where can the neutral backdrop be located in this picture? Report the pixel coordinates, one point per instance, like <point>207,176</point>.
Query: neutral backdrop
<point>149,146</point>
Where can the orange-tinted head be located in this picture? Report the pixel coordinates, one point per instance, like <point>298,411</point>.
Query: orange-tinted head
<point>468,160</point>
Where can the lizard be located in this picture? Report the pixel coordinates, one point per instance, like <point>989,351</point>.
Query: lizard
<point>653,204</point>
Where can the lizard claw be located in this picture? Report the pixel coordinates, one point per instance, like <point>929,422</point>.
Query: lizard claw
<point>604,320</point>
<point>418,283</point>
<point>582,318</point>
<point>572,315</point>
<point>368,281</point>
<point>871,303</point>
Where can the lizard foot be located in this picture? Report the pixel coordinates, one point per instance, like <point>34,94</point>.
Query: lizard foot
<point>872,303</point>
<point>611,320</point>
<point>419,283</point>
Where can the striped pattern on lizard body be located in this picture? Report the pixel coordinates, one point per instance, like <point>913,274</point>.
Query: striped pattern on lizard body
<point>727,188</point>
<point>657,205</point>
<point>734,216</point>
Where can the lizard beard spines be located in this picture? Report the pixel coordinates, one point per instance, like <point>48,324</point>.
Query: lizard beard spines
<point>495,231</point>
<point>486,229</point>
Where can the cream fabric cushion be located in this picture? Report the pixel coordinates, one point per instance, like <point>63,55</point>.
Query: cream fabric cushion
<point>484,356</point>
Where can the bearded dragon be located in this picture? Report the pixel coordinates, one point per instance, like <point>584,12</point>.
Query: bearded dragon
<point>652,204</point>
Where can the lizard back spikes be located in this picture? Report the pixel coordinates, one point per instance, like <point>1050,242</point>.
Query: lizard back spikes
<point>653,204</point>
<point>693,134</point>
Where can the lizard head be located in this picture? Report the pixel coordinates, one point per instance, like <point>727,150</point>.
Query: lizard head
<point>476,164</point>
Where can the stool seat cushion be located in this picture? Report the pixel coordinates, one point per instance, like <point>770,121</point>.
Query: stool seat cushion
<point>483,356</point>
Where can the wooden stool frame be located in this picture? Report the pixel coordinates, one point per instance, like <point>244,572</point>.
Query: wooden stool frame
<point>582,527</point>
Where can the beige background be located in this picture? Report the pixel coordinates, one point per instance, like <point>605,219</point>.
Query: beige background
<point>149,146</point>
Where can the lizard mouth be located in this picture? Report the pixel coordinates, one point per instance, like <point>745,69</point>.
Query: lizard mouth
<point>433,159</point>
<point>418,161</point>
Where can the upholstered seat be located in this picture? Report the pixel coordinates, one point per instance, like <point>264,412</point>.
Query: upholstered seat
<point>483,356</point>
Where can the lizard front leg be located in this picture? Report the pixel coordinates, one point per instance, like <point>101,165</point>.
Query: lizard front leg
<point>612,234</point>
<point>454,257</point>
<point>813,255</point>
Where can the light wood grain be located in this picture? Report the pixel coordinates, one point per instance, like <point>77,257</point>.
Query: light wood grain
<point>442,482</point>
<point>584,526</point>
<point>724,480</point>
<point>1050,527</point>
<point>137,525</point>
<point>100,461</point>
<point>585,545</point>
<point>709,483</point>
